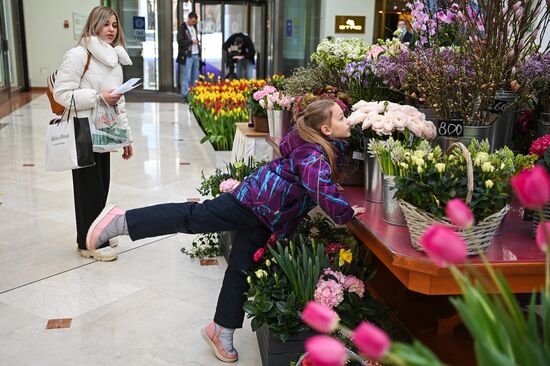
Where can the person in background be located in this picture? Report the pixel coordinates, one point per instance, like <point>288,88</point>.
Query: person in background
<point>102,42</point>
<point>188,53</point>
<point>402,31</point>
<point>241,53</point>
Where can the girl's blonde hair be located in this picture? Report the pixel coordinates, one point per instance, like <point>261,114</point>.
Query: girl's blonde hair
<point>96,21</point>
<point>309,123</point>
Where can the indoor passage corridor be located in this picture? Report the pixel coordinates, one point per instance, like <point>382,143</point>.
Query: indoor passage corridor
<point>147,307</point>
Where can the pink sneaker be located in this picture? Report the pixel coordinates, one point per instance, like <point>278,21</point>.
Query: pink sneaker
<point>211,335</point>
<point>100,231</point>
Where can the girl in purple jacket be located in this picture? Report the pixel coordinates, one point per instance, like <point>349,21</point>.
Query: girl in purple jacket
<point>271,201</point>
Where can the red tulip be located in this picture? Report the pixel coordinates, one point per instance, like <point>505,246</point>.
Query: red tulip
<point>325,351</point>
<point>443,245</point>
<point>372,341</point>
<point>459,213</point>
<point>320,317</point>
<point>532,187</point>
<point>542,242</point>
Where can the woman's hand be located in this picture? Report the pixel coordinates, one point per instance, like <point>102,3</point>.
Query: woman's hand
<point>358,210</point>
<point>128,152</point>
<point>111,99</point>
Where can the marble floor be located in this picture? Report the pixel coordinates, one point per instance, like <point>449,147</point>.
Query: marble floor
<point>147,307</point>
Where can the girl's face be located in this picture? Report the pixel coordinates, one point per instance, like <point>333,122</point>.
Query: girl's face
<point>109,31</point>
<point>339,126</point>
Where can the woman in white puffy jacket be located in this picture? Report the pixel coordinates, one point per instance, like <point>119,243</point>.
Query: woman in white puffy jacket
<point>103,39</point>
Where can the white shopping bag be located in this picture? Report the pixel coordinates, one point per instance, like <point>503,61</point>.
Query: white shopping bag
<point>69,142</point>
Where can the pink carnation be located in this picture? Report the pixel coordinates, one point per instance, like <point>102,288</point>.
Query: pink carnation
<point>354,284</point>
<point>329,293</point>
<point>540,145</point>
<point>229,185</point>
<point>260,94</point>
<point>270,89</point>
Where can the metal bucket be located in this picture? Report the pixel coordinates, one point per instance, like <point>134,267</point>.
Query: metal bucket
<point>392,213</point>
<point>502,131</point>
<point>373,179</point>
<point>474,132</point>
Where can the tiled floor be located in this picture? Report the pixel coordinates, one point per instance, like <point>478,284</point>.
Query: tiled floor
<point>147,307</point>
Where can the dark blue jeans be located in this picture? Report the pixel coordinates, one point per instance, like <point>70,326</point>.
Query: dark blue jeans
<point>223,213</point>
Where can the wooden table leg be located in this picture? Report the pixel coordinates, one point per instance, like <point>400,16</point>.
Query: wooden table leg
<point>446,326</point>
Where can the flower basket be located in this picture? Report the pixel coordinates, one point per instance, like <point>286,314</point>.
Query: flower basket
<point>478,238</point>
<point>536,219</point>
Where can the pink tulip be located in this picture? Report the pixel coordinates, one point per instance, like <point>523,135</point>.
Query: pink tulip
<point>532,187</point>
<point>372,341</point>
<point>443,245</point>
<point>459,213</point>
<point>325,351</point>
<point>320,317</point>
<point>541,237</point>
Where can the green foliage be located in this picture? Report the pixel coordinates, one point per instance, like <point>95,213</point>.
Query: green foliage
<point>503,334</point>
<point>204,246</point>
<point>309,79</point>
<point>430,181</point>
<point>302,266</point>
<point>210,186</point>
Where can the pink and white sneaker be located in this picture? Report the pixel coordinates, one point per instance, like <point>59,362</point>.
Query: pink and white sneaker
<point>104,227</point>
<point>211,334</point>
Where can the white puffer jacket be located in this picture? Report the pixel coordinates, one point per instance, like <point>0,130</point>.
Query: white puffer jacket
<point>104,72</point>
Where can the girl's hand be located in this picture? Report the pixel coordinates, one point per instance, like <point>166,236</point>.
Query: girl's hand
<point>128,152</point>
<point>358,210</point>
<point>111,99</point>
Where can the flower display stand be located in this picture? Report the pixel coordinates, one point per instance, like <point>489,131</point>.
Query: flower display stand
<point>276,353</point>
<point>249,142</point>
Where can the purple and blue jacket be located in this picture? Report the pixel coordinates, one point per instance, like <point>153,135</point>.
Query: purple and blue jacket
<point>282,192</point>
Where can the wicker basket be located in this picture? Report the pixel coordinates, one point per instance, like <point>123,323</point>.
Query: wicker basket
<point>536,219</point>
<point>477,239</point>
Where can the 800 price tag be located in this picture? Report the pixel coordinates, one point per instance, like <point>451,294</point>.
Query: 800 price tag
<point>452,128</point>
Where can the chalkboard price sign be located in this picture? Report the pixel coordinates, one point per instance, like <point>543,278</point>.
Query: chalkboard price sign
<point>451,128</point>
<point>498,106</point>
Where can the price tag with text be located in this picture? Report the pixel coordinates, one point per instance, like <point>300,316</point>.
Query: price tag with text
<point>451,128</point>
<point>498,106</point>
<point>357,155</point>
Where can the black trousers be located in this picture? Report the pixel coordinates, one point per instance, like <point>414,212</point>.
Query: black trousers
<point>90,187</point>
<point>223,213</point>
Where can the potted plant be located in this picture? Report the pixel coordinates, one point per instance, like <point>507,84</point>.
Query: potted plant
<point>286,277</point>
<point>430,180</point>
<point>258,105</point>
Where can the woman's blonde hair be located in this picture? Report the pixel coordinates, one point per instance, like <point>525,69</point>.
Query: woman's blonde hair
<point>309,123</point>
<point>96,21</point>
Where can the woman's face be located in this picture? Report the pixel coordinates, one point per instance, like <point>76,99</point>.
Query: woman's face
<point>339,125</point>
<point>109,31</point>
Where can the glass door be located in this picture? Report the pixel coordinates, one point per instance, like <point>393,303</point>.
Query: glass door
<point>211,36</point>
<point>139,21</point>
<point>12,16</point>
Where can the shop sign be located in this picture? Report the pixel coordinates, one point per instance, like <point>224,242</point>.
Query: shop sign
<point>349,24</point>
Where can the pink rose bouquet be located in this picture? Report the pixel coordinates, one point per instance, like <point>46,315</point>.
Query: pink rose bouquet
<point>229,185</point>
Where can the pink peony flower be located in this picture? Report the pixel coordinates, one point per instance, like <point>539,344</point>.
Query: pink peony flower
<point>459,213</point>
<point>320,317</point>
<point>270,89</point>
<point>354,284</point>
<point>372,341</point>
<point>329,293</point>
<point>229,185</point>
<point>532,187</point>
<point>325,351</point>
<point>443,245</point>
<point>259,254</point>
<point>260,94</point>
<point>541,238</point>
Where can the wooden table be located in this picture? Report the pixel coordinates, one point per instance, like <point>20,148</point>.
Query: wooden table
<point>249,142</point>
<point>514,252</point>
<point>417,290</point>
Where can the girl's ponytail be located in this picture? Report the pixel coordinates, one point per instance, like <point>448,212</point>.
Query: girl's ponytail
<point>309,123</point>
